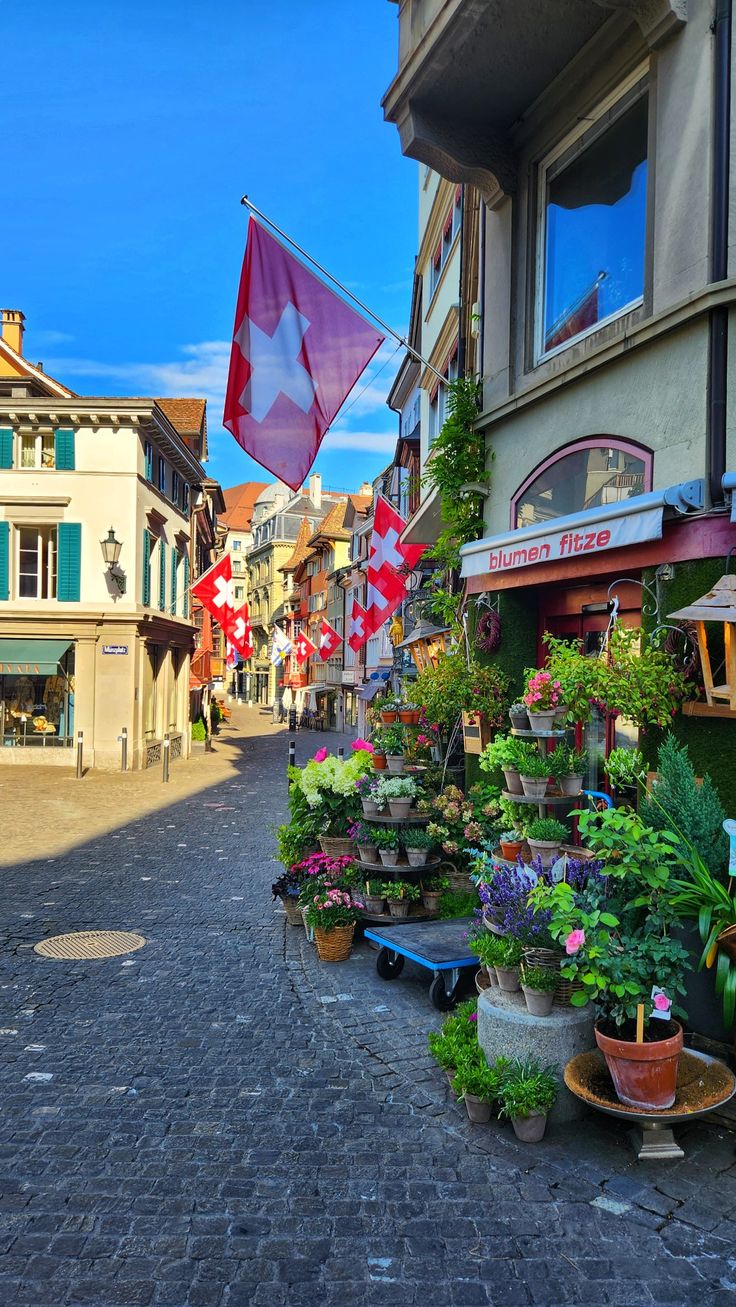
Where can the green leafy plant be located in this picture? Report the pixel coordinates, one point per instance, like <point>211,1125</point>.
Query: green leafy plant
<point>633,676</point>
<point>534,765</point>
<point>624,767</point>
<point>566,761</point>
<point>457,1037</point>
<point>458,459</point>
<point>516,816</point>
<point>453,687</point>
<point>386,837</point>
<point>505,751</point>
<point>547,830</point>
<point>435,884</point>
<point>418,838</point>
<point>474,1076</point>
<point>457,903</point>
<point>527,1089</point>
<point>488,948</point>
<point>677,798</point>
<point>326,790</point>
<point>393,738</point>
<point>511,836</point>
<point>702,897</point>
<point>511,952</point>
<point>398,890</point>
<point>396,787</point>
<point>541,979</point>
<point>199,730</point>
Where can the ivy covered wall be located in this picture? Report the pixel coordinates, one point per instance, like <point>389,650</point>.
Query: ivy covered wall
<point>711,741</point>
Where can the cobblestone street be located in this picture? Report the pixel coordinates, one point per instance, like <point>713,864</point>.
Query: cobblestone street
<point>218,1120</point>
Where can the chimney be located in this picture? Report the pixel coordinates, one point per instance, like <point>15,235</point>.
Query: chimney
<point>11,328</point>
<point>315,489</point>
<point>366,489</point>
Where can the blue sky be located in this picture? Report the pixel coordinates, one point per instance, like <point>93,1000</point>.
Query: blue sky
<point>130,133</point>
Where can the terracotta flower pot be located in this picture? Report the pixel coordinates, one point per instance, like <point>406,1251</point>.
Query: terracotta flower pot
<point>395,763</point>
<point>431,901</point>
<point>399,808</point>
<point>508,979</point>
<point>644,1075</point>
<point>334,945</point>
<point>478,1109</point>
<point>547,850</point>
<point>542,721</point>
<point>407,717</point>
<point>374,905</point>
<point>571,784</point>
<point>389,857</point>
<point>530,1129</point>
<point>368,852</point>
<point>417,857</point>
<point>416,716</point>
<point>388,717</point>
<point>399,907</point>
<point>538,1001</point>
<point>534,787</point>
<point>510,849</point>
<point>379,761</point>
<point>513,780</point>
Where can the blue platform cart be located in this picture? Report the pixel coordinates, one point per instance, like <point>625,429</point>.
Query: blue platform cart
<point>440,946</point>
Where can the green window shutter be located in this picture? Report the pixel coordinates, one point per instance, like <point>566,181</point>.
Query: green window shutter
<point>185,604</point>
<point>64,445</point>
<point>6,449</point>
<point>69,562</point>
<point>4,559</point>
<point>162,575</point>
<point>174,565</point>
<point>146,591</point>
<point>148,450</point>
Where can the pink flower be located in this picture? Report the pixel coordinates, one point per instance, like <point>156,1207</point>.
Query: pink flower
<point>422,739</point>
<point>574,941</point>
<point>661,1002</point>
<point>364,745</point>
<point>320,755</point>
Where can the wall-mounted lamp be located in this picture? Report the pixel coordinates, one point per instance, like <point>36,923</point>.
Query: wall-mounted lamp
<point>111,547</point>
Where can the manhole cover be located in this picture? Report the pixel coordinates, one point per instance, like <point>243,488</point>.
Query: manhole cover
<point>90,944</point>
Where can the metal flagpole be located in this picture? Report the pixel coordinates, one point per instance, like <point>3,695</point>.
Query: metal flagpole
<point>364,307</point>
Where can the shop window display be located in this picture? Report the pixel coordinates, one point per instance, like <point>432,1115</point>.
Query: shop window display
<point>38,710</point>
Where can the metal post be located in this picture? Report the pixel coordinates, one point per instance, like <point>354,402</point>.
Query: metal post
<point>341,752</point>
<point>292,753</point>
<point>124,749</point>
<point>165,757</point>
<point>80,753</point>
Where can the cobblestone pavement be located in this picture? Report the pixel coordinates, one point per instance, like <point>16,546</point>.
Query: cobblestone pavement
<point>218,1120</point>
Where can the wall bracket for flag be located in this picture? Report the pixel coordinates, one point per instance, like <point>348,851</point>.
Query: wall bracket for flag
<point>258,213</point>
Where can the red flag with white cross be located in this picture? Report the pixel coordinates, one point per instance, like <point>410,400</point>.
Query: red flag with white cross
<point>359,627</point>
<point>389,560</point>
<point>240,634</point>
<point>329,640</point>
<point>303,648</point>
<point>214,590</point>
<point>297,351</point>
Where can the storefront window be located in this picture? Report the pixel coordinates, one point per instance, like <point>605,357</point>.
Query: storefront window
<point>37,709</point>
<point>36,562</point>
<point>590,476</point>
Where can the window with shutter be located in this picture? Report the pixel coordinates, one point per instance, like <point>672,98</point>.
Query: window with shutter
<point>148,453</point>
<point>64,446</point>
<point>174,569</point>
<point>6,447</point>
<point>4,559</point>
<point>185,604</point>
<point>146,589</point>
<point>162,575</point>
<point>69,562</point>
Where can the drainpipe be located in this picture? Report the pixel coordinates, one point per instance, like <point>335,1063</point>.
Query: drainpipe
<point>718,270</point>
<point>461,333</point>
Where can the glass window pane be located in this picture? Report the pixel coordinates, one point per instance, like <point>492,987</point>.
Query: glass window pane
<point>585,478</point>
<point>595,228</point>
<point>48,450</point>
<point>27,563</point>
<point>27,449</point>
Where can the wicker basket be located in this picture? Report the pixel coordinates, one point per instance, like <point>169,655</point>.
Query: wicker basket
<point>460,881</point>
<point>334,945</point>
<point>337,848</point>
<point>292,910</point>
<point>550,959</point>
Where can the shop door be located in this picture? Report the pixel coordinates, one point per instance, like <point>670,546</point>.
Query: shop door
<point>585,618</point>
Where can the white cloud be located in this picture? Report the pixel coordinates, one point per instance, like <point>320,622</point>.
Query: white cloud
<point>360,442</point>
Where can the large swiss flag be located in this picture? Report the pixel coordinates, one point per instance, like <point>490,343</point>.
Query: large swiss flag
<point>214,589</point>
<point>297,351</point>
<point>241,633</point>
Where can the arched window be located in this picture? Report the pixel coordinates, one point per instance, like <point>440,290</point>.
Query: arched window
<point>589,474</point>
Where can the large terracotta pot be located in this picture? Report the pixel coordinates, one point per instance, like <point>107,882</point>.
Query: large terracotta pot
<point>388,717</point>
<point>379,761</point>
<point>406,716</point>
<point>510,849</point>
<point>644,1075</point>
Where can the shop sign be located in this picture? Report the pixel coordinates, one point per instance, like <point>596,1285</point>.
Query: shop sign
<point>114,648</point>
<point>19,669</point>
<point>561,546</point>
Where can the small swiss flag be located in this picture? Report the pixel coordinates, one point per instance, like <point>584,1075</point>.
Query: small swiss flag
<point>303,648</point>
<point>297,351</point>
<point>329,640</point>
<point>241,634</point>
<point>214,590</point>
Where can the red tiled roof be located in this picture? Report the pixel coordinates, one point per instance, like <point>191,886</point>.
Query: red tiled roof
<point>301,548</point>
<point>239,504</point>
<point>184,414</point>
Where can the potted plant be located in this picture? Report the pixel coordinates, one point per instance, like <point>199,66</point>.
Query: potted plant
<point>511,843</point>
<point>407,713</point>
<point>399,792</point>
<point>364,835</point>
<point>286,889</point>
<point>400,895</point>
<point>542,698</point>
<point>527,1095</point>
<point>616,929</point>
<point>366,787</point>
<point>386,840</point>
<point>389,711</point>
<point>418,844</point>
<point>478,1084</point>
<point>332,914</point>
<point>544,837</point>
<point>567,766</point>
<point>507,968</point>
<point>323,792</point>
<point>373,899</point>
<point>393,739</point>
<point>505,753</point>
<point>534,775</point>
<point>433,887</point>
<point>489,949</point>
<point>539,985</point>
<point>624,770</point>
<point>457,1037</point>
<point>519,717</point>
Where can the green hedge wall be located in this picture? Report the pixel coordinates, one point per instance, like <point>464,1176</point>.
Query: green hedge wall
<point>518,648</point>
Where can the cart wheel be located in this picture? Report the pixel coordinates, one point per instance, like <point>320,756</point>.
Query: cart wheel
<point>387,967</point>
<point>439,995</point>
